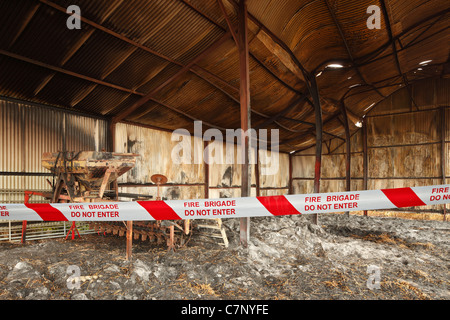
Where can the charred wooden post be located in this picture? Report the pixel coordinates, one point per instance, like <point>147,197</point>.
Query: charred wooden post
<point>245,114</point>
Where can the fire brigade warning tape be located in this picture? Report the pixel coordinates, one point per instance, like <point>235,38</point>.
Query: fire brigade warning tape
<point>229,207</point>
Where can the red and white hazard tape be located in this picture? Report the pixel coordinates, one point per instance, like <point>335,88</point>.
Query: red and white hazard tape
<point>229,207</point>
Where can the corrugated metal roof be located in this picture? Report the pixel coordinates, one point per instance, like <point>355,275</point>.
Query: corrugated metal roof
<point>126,49</point>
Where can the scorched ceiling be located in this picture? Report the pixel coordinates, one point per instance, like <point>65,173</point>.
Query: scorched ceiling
<point>181,53</point>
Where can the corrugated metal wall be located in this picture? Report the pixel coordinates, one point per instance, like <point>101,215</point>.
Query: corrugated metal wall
<point>404,142</point>
<point>188,180</point>
<point>27,131</point>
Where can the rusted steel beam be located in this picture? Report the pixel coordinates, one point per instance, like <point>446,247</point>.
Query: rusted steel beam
<point>365,157</point>
<point>129,248</point>
<point>291,169</point>
<point>275,39</point>
<point>257,177</point>
<point>62,70</point>
<point>261,63</point>
<point>150,185</point>
<point>348,155</point>
<point>443,153</point>
<point>347,48</point>
<point>367,58</point>
<point>394,50</point>
<point>206,168</point>
<point>111,138</point>
<point>280,114</point>
<point>347,147</point>
<point>244,75</point>
<point>310,132</point>
<point>181,72</point>
<point>24,23</point>
<point>227,19</point>
<point>319,134</point>
<point>81,41</point>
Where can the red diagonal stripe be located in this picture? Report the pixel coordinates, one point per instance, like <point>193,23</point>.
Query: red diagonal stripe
<point>159,210</point>
<point>47,212</point>
<point>278,205</point>
<point>403,197</point>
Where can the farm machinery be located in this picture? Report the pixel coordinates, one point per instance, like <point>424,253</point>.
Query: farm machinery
<point>91,176</point>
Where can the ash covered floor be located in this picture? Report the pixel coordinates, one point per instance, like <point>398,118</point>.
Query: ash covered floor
<point>289,258</point>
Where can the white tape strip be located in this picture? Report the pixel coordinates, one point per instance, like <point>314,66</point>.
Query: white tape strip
<point>231,207</point>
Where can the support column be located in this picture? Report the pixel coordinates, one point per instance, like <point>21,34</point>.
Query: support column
<point>365,157</point>
<point>348,151</point>
<point>319,132</point>
<point>443,154</point>
<point>129,239</point>
<point>257,177</point>
<point>291,166</point>
<point>245,115</point>
<point>206,167</point>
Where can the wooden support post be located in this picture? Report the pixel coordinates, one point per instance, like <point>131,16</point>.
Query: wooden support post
<point>443,155</point>
<point>365,157</point>
<point>129,239</point>
<point>245,115</point>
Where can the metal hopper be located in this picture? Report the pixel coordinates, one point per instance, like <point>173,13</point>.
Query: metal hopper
<point>86,174</point>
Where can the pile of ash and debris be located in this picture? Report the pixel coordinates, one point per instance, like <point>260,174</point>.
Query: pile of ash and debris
<point>288,258</point>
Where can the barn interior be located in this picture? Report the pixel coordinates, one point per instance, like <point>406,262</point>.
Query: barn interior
<point>356,98</point>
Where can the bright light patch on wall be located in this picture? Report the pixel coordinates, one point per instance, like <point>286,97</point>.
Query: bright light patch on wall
<point>318,75</point>
<point>335,65</point>
<point>369,106</point>
<point>358,124</point>
<point>354,85</point>
<point>424,63</point>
